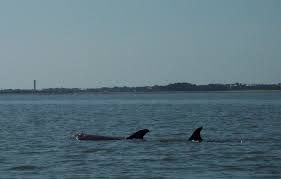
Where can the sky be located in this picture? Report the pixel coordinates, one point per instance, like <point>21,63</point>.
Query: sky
<point>106,43</point>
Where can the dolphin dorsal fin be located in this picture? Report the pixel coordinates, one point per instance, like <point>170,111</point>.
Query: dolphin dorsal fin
<point>139,134</point>
<point>196,135</point>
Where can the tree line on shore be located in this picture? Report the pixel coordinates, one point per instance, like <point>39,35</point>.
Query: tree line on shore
<point>156,88</point>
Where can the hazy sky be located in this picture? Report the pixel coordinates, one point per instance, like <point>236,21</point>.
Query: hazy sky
<point>90,43</point>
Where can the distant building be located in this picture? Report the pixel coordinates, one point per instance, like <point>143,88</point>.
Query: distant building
<point>34,85</point>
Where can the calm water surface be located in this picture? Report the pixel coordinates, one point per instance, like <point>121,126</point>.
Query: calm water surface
<point>242,137</point>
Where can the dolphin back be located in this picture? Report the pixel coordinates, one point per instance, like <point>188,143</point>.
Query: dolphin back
<point>196,136</point>
<point>82,136</point>
<point>139,134</point>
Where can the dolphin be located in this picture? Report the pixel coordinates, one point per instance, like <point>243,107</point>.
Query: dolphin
<point>137,135</point>
<point>196,137</point>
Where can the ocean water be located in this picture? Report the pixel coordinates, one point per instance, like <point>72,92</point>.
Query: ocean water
<point>241,135</point>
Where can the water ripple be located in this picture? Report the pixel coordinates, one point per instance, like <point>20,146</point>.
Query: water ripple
<point>27,168</point>
<point>37,130</point>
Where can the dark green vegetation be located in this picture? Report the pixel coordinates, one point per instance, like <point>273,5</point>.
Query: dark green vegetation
<point>155,88</point>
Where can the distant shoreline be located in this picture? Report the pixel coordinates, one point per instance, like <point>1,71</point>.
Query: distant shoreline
<point>175,87</point>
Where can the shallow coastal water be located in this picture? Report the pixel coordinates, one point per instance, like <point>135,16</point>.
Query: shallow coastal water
<point>241,132</point>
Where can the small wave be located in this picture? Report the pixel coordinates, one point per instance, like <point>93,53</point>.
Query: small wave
<point>91,150</point>
<point>95,150</point>
<point>232,168</point>
<point>148,177</point>
<point>168,159</point>
<point>26,168</point>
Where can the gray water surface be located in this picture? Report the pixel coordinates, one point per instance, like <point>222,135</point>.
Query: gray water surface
<point>241,132</point>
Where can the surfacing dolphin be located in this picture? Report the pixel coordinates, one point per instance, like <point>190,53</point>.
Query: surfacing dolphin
<point>137,135</point>
<point>196,136</point>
